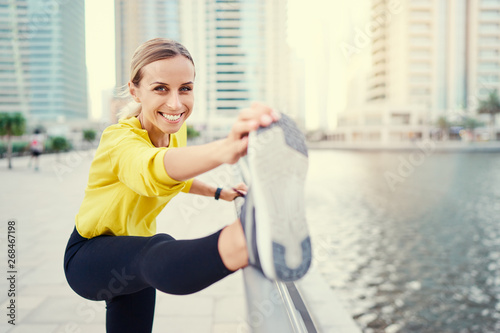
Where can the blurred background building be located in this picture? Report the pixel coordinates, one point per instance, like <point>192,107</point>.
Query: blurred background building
<point>42,60</point>
<point>239,47</point>
<point>138,21</point>
<point>429,59</point>
<point>426,60</point>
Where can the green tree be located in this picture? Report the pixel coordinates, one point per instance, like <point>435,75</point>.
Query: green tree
<point>444,125</point>
<point>89,135</point>
<point>11,124</point>
<point>491,106</point>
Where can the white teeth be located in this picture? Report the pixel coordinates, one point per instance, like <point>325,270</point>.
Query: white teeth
<point>171,117</point>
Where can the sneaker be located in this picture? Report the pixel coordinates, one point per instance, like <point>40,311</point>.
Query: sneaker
<point>273,214</point>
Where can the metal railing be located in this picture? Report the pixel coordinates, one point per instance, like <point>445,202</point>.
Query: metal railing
<point>273,306</point>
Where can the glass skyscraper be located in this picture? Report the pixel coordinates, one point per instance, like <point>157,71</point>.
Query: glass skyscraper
<point>243,56</point>
<point>42,60</point>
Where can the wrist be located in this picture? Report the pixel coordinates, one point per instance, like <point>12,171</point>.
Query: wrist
<point>218,193</point>
<point>224,151</point>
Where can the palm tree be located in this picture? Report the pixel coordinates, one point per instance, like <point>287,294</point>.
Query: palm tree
<point>11,124</point>
<point>491,106</point>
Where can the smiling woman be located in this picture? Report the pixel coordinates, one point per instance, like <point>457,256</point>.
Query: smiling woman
<point>164,89</point>
<point>140,165</point>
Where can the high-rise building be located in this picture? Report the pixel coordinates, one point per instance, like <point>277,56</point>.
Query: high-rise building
<point>138,21</point>
<point>42,63</point>
<point>430,59</point>
<point>239,48</point>
<point>241,51</point>
<point>483,50</point>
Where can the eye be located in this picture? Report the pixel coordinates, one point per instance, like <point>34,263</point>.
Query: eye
<point>186,88</point>
<point>160,88</point>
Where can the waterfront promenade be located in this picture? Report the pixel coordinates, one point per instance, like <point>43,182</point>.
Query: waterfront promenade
<point>449,146</point>
<point>43,204</point>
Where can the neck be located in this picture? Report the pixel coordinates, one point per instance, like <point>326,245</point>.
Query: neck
<point>158,138</point>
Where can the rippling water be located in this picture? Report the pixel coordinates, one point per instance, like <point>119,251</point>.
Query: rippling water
<point>419,252</point>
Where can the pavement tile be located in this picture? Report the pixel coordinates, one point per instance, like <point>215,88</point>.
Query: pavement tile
<point>79,328</point>
<point>229,328</point>
<point>28,328</point>
<point>230,309</point>
<point>183,324</point>
<point>67,310</point>
<point>171,305</point>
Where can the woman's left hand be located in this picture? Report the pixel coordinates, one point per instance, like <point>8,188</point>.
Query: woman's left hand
<point>229,194</point>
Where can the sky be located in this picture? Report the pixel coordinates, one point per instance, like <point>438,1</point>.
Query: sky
<point>100,50</point>
<point>317,28</point>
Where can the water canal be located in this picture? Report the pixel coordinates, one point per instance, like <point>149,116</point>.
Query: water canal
<point>411,242</point>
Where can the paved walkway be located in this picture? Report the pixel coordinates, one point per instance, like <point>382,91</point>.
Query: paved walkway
<point>44,203</point>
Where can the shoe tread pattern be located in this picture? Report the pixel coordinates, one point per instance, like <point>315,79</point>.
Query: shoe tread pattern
<point>280,161</point>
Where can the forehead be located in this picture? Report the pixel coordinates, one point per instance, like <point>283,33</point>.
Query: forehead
<point>178,69</point>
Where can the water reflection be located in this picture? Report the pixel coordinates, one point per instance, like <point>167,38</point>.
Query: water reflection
<point>418,255</point>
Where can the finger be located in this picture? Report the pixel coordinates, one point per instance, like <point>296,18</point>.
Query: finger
<point>256,111</point>
<point>241,128</point>
<point>239,192</point>
<point>242,187</point>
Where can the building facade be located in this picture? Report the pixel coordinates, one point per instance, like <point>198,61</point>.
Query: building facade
<point>239,48</point>
<point>138,21</point>
<point>430,59</point>
<point>42,67</point>
<point>241,51</point>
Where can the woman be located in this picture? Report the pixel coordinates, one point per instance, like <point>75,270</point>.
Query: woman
<point>141,163</point>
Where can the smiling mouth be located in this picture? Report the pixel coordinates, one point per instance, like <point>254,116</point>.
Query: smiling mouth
<point>171,117</point>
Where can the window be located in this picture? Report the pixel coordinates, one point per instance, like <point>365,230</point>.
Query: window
<point>489,53</point>
<point>420,40</point>
<point>488,65</point>
<point>420,27</point>
<point>420,53</point>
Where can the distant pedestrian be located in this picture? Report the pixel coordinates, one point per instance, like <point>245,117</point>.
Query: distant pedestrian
<point>141,163</point>
<point>36,149</point>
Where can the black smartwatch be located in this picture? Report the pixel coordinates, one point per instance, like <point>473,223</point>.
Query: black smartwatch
<point>217,193</point>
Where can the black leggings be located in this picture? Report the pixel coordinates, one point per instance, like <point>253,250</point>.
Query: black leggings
<point>125,271</point>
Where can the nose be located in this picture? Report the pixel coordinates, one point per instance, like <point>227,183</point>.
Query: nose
<point>173,101</point>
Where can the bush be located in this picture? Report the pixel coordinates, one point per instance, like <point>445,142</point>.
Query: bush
<point>192,133</point>
<point>89,135</point>
<point>18,148</point>
<point>58,144</point>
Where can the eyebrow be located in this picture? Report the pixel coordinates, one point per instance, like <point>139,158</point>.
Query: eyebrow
<point>166,84</point>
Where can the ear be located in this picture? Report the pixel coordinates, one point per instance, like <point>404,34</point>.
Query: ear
<point>133,91</point>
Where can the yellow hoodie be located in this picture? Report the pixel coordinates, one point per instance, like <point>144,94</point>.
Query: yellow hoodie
<point>128,185</point>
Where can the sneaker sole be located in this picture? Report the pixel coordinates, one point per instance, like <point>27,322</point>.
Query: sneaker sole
<point>278,163</point>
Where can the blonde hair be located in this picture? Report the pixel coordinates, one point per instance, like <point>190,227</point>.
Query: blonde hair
<point>150,51</point>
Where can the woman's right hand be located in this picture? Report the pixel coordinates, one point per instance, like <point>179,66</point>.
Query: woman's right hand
<point>248,120</point>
